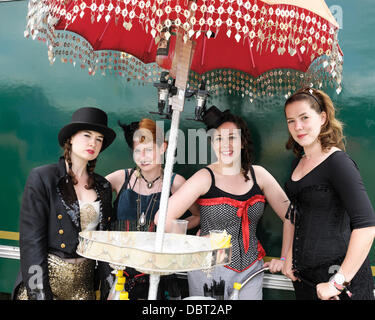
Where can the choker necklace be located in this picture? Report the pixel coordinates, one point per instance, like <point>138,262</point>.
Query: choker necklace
<point>150,184</point>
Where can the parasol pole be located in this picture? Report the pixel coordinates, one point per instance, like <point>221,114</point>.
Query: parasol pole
<point>183,54</point>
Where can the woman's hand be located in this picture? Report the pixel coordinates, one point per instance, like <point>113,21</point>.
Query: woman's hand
<point>327,291</point>
<point>275,265</point>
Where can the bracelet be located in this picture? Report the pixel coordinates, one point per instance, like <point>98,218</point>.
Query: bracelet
<point>337,286</point>
<point>283,259</point>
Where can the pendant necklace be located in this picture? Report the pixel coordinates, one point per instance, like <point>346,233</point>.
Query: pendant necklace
<point>150,184</point>
<point>142,217</point>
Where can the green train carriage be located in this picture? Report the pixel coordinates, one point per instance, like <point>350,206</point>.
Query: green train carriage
<point>37,99</point>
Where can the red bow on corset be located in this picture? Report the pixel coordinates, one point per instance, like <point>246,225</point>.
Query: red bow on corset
<point>242,206</point>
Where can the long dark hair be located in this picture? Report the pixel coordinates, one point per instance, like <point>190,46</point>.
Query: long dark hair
<point>90,166</point>
<point>247,142</point>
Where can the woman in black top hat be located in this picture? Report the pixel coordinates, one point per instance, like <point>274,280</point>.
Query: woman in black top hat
<point>333,216</point>
<point>59,201</point>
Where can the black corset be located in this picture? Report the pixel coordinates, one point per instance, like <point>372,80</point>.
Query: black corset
<point>322,226</point>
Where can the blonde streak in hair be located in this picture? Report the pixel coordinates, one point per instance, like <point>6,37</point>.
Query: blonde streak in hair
<point>338,129</point>
<point>333,133</point>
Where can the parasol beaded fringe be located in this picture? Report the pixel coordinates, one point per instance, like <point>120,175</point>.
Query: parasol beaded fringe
<point>282,27</point>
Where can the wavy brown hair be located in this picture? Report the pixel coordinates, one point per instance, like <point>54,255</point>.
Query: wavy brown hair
<point>331,132</point>
<point>90,167</point>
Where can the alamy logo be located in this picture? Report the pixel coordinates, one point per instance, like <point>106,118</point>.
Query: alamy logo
<point>333,269</point>
<point>338,14</point>
<point>36,280</point>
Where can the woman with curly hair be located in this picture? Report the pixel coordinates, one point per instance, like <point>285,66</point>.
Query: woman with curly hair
<point>333,216</point>
<point>231,194</point>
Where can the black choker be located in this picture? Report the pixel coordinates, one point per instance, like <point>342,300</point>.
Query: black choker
<point>150,184</point>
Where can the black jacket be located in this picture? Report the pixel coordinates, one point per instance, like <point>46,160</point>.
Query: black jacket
<point>50,220</point>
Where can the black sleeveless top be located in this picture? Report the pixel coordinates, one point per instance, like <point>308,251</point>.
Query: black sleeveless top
<point>239,216</point>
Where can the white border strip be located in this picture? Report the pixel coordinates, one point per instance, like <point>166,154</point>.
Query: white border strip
<point>270,281</point>
<point>276,281</point>
<point>8,251</point>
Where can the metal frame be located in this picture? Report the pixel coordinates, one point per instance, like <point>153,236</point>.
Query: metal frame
<point>270,281</point>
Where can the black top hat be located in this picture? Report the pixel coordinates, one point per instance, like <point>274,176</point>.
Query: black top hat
<point>88,119</point>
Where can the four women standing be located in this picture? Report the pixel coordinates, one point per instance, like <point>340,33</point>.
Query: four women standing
<point>327,235</point>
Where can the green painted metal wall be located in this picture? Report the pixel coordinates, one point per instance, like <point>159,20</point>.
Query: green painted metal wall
<point>37,99</point>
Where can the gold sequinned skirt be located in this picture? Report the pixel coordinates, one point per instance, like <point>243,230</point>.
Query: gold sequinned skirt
<point>68,281</point>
